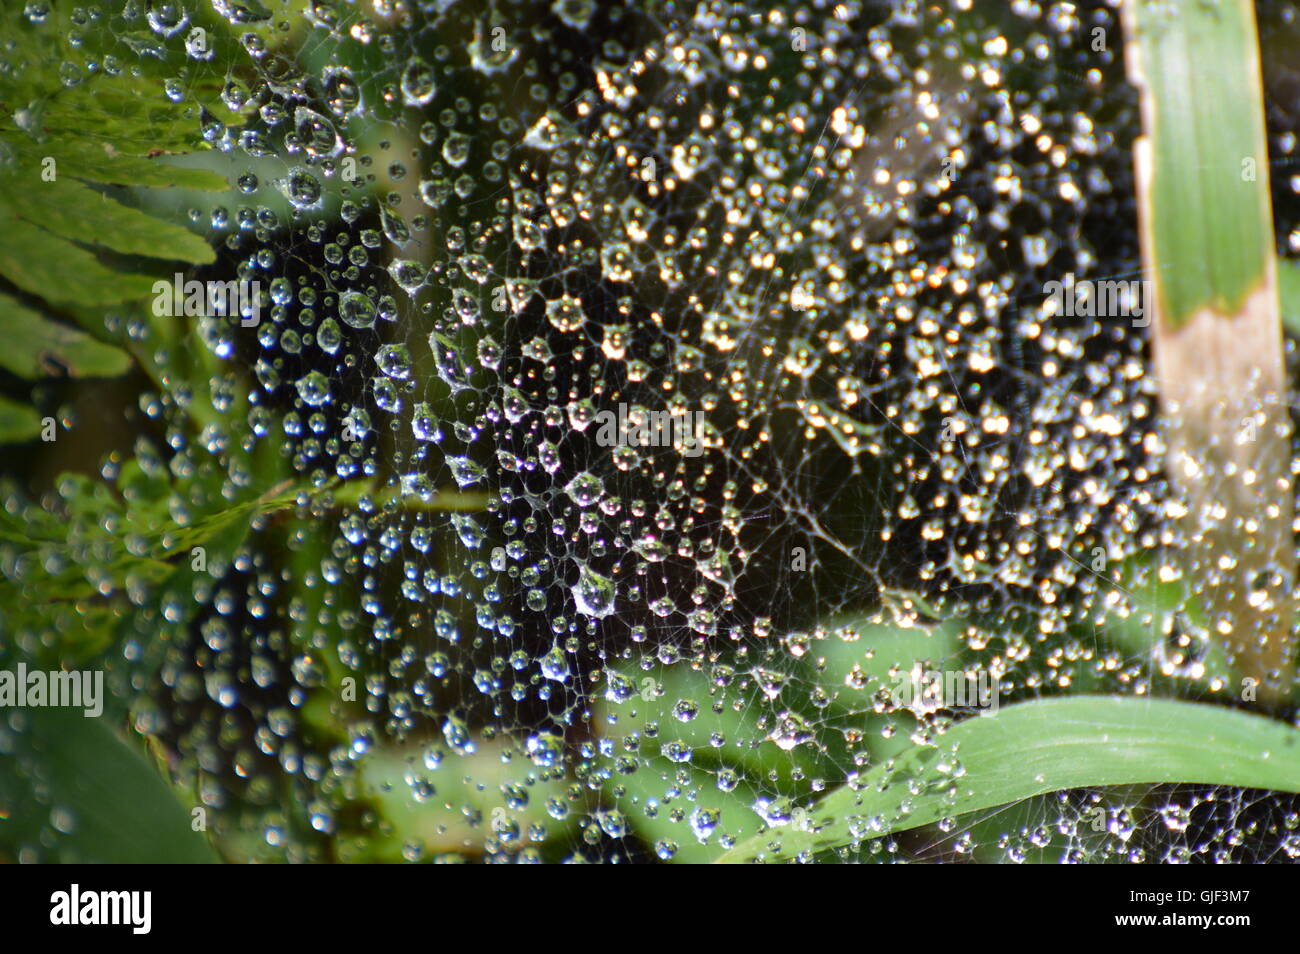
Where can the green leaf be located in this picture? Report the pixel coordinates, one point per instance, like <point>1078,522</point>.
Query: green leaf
<point>78,213</point>
<point>1044,746</point>
<point>35,341</point>
<point>116,808</point>
<point>18,422</point>
<point>100,162</point>
<point>43,264</point>
<point>57,135</point>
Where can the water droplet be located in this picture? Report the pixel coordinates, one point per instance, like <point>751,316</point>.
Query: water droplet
<point>593,593</point>
<point>356,309</point>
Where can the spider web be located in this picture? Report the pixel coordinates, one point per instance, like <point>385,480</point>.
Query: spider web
<point>825,229</point>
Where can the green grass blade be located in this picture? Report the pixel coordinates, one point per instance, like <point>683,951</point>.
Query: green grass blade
<point>1044,746</point>
<point>18,422</point>
<point>1207,245</point>
<point>1210,223</point>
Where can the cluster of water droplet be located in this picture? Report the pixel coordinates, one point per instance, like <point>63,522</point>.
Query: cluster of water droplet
<point>818,234</point>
